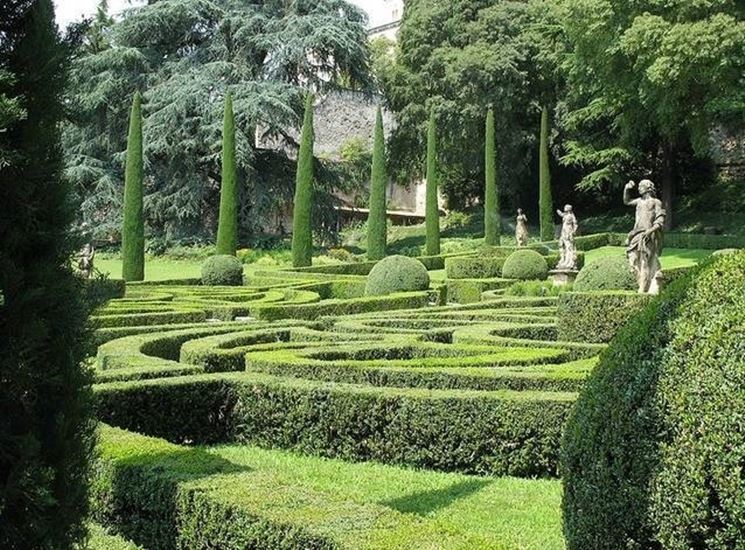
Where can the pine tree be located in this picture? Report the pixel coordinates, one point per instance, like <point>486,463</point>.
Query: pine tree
<point>545,202</point>
<point>227,227</point>
<point>491,192</point>
<point>302,230</point>
<point>377,220</point>
<point>133,228</point>
<point>432,211</point>
<point>46,428</point>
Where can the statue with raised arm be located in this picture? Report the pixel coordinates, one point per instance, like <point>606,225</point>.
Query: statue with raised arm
<point>644,244</point>
<point>521,228</point>
<point>568,261</point>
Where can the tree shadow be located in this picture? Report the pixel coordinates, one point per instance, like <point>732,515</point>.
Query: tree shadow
<point>426,502</point>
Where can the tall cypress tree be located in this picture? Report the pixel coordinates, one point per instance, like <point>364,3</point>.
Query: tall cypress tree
<point>133,228</point>
<point>376,223</point>
<point>545,201</point>
<point>432,211</point>
<point>227,226</point>
<point>302,230</point>
<point>492,227</point>
<point>46,431</point>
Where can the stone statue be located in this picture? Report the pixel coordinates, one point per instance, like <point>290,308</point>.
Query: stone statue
<point>521,228</point>
<point>85,260</point>
<point>644,244</point>
<point>568,261</point>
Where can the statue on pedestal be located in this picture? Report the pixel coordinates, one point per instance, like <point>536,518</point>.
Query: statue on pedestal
<point>85,260</point>
<point>568,261</point>
<point>521,228</point>
<point>644,244</point>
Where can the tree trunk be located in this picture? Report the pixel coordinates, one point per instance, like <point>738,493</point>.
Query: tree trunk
<point>668,182</point>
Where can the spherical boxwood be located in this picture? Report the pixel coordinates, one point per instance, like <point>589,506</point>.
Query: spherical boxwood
<point>397,274</point>
<point>653,452</point>
<point>606,273</point>
<point>526,265</point>
<point>222,270</point>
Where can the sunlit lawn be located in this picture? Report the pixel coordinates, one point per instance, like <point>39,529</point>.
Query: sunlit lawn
<point>671,257</point>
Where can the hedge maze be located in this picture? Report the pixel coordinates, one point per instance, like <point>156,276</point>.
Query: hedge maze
<point>202,391</point>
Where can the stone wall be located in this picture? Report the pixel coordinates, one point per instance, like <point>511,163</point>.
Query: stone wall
<point>728,151</point>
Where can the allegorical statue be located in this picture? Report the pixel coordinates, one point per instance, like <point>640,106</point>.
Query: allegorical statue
<point>85,260</point>
<point>568,261</point>
<point>645,240</point>
<point>521,228</point>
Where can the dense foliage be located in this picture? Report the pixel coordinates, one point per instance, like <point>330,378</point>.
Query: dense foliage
<point>133,226</point>
<point>545,198</point>
<point>222,270</point>
<point>396,274</point>
<point>492,219</point>
<point>186,55</point>
<point>377,227</point>
<point>526,265</point>
<point>654,449</point>
<point>302,206</point>
<point>432,209</point>
<point>227,225</point>
<point>46,436</point>
<point>596,316</point>
<point>606,273</point>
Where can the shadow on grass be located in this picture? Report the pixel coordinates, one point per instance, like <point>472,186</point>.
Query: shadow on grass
<point>426,502</point>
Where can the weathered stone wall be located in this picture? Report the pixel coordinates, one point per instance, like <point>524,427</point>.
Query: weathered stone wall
<point>728,151</point>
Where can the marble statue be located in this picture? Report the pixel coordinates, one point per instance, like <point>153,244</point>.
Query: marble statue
<point>644,244</point>
<point>85,260</point>
<point>568,261</point>
<point>521,228</point>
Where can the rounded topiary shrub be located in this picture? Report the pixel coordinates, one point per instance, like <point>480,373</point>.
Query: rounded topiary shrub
<point>397,274</point>
<point>222,270</point>
<point>606,273</point>
<point>654,449</point>
<point>526,265</point>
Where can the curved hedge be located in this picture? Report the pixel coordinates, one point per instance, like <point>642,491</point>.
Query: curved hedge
<point>397,274</point>
<point>526,265</point>
<point>222,270</point>
<point>653,453</point>
<point>596,317</point>
<point>606,273</point>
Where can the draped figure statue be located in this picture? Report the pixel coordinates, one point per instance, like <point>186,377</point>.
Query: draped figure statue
<point>644,244</point>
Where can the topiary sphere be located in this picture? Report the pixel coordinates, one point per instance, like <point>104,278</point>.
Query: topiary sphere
<point>525,265</point>
<point>222,270</point>
<point>653,452</point>
<point>397,274</point>
<point>606,273</point>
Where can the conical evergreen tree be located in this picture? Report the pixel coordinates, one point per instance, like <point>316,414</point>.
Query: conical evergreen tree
<point>432,211</point>
<point>133,229</point>
<point>492,228</point>
<point>227,226</point>
<point>376,222</point>
<point>302,230</point>
<point>545,201</point>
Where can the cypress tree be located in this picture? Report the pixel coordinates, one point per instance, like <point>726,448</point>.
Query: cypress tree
<point>302,230</point>
<point>545,202</point>
<point>46,428</point>
<point>491,192</point>
<point>432,212</point>
<point>133,228</point>
<point>376,222</point>
<point>227,226</point>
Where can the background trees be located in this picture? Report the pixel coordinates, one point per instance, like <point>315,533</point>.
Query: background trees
<point>45,432</point>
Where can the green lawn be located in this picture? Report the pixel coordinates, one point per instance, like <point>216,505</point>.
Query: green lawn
<point>156,269</point>
<point>671,257</point>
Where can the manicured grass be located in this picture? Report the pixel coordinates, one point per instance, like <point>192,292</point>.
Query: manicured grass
<point>671,257</point>
<point>156,269</point>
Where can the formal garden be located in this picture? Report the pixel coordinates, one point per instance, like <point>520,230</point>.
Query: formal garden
<point>200,351</point>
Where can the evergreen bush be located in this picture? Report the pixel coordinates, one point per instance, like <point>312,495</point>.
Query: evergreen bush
<point>133,228</point>
<point>526,265</point>
<point>432,212</point>
<point>227,227</point>
<point>222,270</point>
<point>397,274</point>
<point>545,200</point>
<point>606,273</point>
<point>491,191</point>
<point>653,452</point>
<point>377,220</point>
<point>302,228</point>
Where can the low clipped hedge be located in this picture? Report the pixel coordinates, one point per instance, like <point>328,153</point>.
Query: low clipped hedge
<point>495,433</point>
<point>606,273</point>
<point>99,290</point>
<point>222,270</point>
<point>654,451</point>
<point>468,291</point>
<point>596,317</point>
<point>396,274</point>
<point>526,265</point>
<point>485,267</point>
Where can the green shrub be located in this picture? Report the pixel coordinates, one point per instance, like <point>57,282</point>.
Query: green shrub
<point>133,227</point>
<point>536,288</point>
<point>545,199</point>
<point>492,219</point>
<point>653,453</point>
<point>606,273</point>
<point>469,291</point>
<point>480,267</point>
<point>526,265</point>
<point>302,227</point>
<point>397,274</point>
<point>596,317</point>
<point>101,289</point>
<point>222,270</point>
<point>432,214</point>
<point>377,227</point>
<point>227,226</point>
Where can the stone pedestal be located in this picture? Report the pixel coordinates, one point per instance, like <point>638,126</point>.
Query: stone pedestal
<point>562,277</point>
